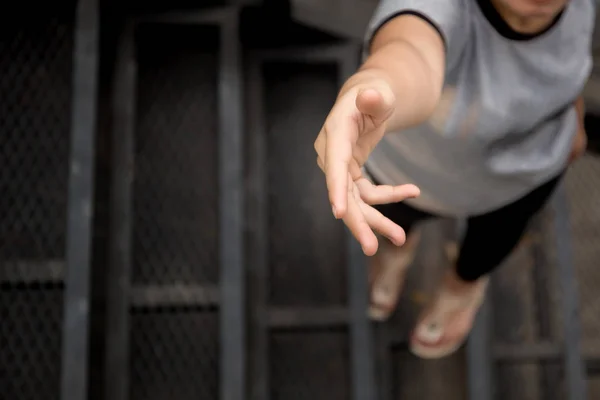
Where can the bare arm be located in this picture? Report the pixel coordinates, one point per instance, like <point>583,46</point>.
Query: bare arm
<point>407,53</point>
<point>398,86</point>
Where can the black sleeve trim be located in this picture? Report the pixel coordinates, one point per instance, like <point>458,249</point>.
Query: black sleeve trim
<point>408,12</point>
<point>502,27</point>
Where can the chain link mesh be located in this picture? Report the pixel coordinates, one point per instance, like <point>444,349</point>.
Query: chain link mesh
<point>310,365</point>
<point>174,355</point>
<point>35,93</point>
<point>174,338</point>
<point>176,159</point>
<point>174,331</point>
<point>307,245</point>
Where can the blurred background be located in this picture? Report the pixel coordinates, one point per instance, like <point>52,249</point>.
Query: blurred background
<point>165,232</point>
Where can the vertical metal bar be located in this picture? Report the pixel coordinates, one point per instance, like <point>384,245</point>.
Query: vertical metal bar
<point>81,187</point>
<point>361,333</point>
<point>363,369</point>
<point>231,251</point>
<point>550,374</point>
<point>258,233</point>
<point>480,361</point>
<point>385,366</point>
<point>121,218</point>
<point>574,365</point>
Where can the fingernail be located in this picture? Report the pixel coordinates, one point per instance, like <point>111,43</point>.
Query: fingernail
<point>334,211</point>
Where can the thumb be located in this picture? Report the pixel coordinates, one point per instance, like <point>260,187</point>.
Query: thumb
<point>377,103</point>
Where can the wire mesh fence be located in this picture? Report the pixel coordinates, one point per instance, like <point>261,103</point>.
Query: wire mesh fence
<point>174,303</point>
<point>35,88</point>
<point>307,246</point>
<point>295,358</point>
<point>175,193</point>
<point>174,329</point>
<point>35,74</point>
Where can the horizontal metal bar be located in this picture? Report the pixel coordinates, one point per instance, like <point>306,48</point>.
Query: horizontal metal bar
<point>209,16</point>
<point>590,349</point>
<point>175,295</point>
<point>323,53</point>
<point>284,318</point>
<point>527,351</point>
<point>26,272</point>
<point>592,367</point>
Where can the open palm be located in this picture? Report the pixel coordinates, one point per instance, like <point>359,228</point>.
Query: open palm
<point>355,125</point>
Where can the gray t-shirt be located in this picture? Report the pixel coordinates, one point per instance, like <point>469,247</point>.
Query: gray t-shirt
<point>506,118</point>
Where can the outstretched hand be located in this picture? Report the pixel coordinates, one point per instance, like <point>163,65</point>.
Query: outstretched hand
<point>355,125</point>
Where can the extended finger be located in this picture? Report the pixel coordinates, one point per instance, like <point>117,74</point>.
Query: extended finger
<point>356,222</point>
<point>383,225</point>
<point>338,154</point>
<point>383,194</point>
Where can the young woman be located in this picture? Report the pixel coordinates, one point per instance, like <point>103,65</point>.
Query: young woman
<point>462,108</point>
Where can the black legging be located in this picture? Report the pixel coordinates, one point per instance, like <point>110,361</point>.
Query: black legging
<point>490,237</point>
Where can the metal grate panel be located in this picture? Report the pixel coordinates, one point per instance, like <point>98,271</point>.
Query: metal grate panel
<point>174,355</point>
<point>174,331</point>
<point>175,188</point>
<point>310,366</point>
<point>307,245</point>
<point>35,87</point>
<point>30,339</point>
<point>35,91</point>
